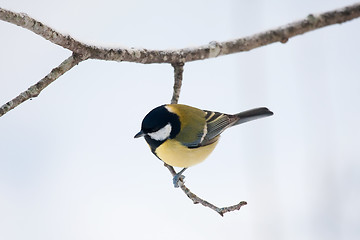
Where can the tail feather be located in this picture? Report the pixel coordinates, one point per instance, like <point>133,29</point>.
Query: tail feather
<point>252,114</point>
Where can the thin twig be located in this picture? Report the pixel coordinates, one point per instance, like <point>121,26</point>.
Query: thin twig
<point>35,89</point>
<point>178,77</point>
<point>203,202</point>
<point>211,50</point>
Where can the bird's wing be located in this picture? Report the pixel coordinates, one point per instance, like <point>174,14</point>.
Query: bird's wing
<point>203,128</point>
<point>216,123</point>
<point>193,125</point>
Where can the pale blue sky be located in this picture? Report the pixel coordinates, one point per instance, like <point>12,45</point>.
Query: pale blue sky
<point>70,168</point>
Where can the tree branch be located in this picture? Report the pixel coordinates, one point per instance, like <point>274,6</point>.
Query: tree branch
<point>35,89</point>
<point>211,50</point>
<point>177,58</point>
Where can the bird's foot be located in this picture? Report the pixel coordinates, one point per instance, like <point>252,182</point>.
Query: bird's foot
<point>178,177</point>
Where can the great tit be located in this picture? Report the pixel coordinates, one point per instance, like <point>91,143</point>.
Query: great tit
<point>183,136</point>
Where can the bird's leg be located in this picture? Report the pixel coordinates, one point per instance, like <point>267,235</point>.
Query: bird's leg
<point>178,177</point>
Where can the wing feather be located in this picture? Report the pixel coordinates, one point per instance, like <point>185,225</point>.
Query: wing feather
<point>216,123</point>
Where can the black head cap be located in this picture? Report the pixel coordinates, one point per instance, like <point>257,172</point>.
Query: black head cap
<point>155,120</point>
<point>158,118</point>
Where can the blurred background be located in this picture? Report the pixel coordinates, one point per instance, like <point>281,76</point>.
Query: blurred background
<point>70,168</point>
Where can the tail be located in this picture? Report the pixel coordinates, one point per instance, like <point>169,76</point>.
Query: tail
<point>252,114</point>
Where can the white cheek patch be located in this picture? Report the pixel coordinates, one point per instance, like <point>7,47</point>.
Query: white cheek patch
<point>162,133</point>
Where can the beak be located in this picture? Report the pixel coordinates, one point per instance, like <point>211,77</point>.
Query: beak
<point>139,134</point>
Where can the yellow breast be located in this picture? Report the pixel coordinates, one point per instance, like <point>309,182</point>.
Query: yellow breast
<point>175,154</point>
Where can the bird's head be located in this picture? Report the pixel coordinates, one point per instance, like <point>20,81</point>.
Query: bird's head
<point>159,124</point>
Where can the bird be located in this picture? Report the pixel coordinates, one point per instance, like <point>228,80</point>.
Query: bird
<point>183,136</point>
